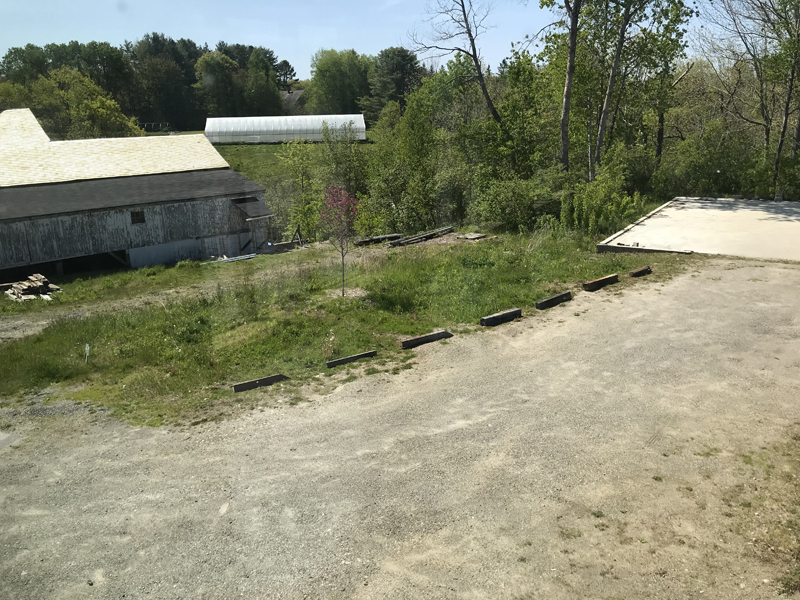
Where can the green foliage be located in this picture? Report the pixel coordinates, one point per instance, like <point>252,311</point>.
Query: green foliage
<point>519,204</point>
<point>219,84</point>
<point>69,106</point>
<point>301,159</point>
<point>720,161</point>
<point>338,80</point>
<point>261,93</point>
<point>342,159</point>
<point>602,205</point>
<point>175,362</point>
<point>395,72</point>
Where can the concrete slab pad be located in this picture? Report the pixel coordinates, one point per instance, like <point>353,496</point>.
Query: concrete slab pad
<point>747,228</point>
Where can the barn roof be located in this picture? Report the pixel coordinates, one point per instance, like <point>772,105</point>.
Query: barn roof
<point>122,192</point>
<point>19,128</point>
<point>272,130</point>
<point>28,157</point>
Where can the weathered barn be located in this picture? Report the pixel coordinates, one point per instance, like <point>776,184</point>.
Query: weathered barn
<point>275,130</point>
<point>144,201</point>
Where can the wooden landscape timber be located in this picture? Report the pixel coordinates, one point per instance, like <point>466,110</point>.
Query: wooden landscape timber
<point>257,383</point>
<point>426,339</point>
<point>596,284</point>
<point>378,239</point>
<point>641,272</point>
<point>501,317</point>
<point>554,300</point>
<point>36,286</point>
<point>421,237</point>
<point>348,359</point>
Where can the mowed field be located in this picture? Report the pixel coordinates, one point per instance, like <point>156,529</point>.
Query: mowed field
<point>639,442</point>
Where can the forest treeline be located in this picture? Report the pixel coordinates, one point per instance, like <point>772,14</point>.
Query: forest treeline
<point>158,81</point>
<point>608,112</point>
<point>154,80</point>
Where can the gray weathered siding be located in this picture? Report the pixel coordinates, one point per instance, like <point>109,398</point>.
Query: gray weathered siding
<point>47,239</point>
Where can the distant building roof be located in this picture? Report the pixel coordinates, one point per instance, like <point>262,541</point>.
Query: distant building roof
<point>19,128</point>
<point>273,130</point>
<point>122,192</point>
<point>290,99</point>
<point>28,157</point>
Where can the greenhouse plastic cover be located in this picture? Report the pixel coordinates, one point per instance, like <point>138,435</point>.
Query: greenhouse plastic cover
<point>271,130</point>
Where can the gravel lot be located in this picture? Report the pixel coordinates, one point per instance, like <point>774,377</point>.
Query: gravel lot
<point>561,456</point>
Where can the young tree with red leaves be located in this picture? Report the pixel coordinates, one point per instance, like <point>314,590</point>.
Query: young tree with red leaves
<point>338,214</point>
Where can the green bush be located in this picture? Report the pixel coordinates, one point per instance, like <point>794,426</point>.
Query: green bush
<point>517,204</point>
<point>603,204</point>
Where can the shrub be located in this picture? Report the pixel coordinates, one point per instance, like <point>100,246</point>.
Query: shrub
<point>602,205</point>
<point>519,203</point>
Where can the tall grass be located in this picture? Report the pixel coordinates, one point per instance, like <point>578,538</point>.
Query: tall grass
<point>171,362</point>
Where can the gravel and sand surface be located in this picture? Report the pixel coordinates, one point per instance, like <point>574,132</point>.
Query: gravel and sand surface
<point>584,452</point>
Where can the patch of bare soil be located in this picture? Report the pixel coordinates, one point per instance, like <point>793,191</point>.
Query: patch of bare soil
<point>348,292</point>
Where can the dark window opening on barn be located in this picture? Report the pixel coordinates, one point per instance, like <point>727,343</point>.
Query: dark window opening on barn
<point>137,217</point>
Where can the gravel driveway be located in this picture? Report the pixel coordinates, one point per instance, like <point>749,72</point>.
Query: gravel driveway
<point>561,456</point>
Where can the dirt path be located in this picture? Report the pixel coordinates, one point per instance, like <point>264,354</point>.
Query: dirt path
<point>14,327</point>
<point>18,326</point>
<point>560,457</point>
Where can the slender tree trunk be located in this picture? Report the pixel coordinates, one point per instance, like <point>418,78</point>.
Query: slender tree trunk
<point>796,142</point>
<point>342,273</point>
<point>784,126</point>
<point>574,12</point>
<point>476,61</point>
<point>601,128</point>
<point>660,137</point>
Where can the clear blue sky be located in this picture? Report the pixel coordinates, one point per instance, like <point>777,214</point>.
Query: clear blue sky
<point>294,29</point>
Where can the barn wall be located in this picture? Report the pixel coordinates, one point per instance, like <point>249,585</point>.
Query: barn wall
<point>13,245</point>
<point>61,237</point>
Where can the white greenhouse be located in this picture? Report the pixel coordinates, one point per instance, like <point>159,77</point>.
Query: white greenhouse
<point>274,130</point>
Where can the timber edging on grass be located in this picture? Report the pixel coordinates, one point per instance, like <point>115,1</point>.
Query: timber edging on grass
<point>596,284</point>
<point>257,383</point>
<point>641,272</point>
<point>348,359</point>
<point>554,300</point>
<point>426,339</point>
<point>504,316</point>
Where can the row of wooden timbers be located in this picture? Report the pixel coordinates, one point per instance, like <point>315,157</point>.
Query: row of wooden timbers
<point>35,286</point>
<point>499,318</point>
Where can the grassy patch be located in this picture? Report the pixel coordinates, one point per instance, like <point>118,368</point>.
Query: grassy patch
<point>174,361</point>
<point>93,287</point>
<point>257,162</point>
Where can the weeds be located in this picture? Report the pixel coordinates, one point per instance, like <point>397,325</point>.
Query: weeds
<point>174,362</point>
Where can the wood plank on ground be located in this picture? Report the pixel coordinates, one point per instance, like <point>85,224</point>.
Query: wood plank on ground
<point>596,284</point>
<point>421,237</point>
<point>348,359</point>
<point>257,383</point>
<point>554,300</point>
<point>426,339</point>
<point>641,272</point>
<point>377,239</point>
<point>503,316</point>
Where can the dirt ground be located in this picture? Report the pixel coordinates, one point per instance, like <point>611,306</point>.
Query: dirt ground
<point>589,451</point>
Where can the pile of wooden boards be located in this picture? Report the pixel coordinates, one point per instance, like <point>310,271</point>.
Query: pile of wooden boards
<point>421,237</point>
<point>377,239</point>
<point>35,286</point>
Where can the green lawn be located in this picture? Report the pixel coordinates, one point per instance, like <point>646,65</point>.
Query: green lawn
<point>257,162</point>
<point>175,362</point>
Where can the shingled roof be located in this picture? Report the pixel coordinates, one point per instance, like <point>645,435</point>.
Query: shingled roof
<point>124,192</point>
<point>28,157</point>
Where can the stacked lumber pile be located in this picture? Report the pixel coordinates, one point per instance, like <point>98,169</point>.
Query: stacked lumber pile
<point>377,239</point>
<point>421,237</point>
<point>35,286</point>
